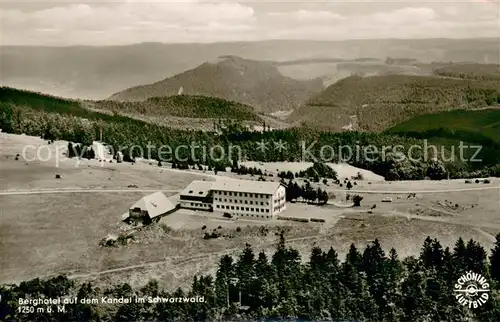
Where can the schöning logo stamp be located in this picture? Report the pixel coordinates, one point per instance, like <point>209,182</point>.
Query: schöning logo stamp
<point>472,290</point>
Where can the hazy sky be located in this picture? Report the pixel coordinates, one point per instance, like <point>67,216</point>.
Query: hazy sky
<point>73,22</point>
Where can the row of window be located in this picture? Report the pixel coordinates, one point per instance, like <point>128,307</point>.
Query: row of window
<point>242,194</point>
<point>277,208</point>
<point>242,208</point>
<point>198,205</point>
<point>242,201</point>
<point>279,200</point>
<point>256,216</point>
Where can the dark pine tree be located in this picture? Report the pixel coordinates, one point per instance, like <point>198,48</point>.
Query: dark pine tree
<point>495,261</point>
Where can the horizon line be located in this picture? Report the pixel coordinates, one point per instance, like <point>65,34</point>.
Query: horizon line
<point>251,41</point>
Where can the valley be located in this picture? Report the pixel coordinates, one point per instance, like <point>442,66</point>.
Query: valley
<point>89,134</point>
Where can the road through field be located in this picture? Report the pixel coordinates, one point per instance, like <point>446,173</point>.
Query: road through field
<point>415,191</point>
<point>49,191</point>
<point>59,191</point>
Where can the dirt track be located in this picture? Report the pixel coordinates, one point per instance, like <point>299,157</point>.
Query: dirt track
<point>176,261</point>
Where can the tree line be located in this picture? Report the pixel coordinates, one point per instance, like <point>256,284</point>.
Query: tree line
<point>67,120</point>
<point>366,285</point>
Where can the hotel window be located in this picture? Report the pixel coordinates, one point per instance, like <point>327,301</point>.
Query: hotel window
<point>261,203</point>
<point>245,194</point>
<point>232,207</point>
<point>222,207</point>
<point>251,209</point>
<point>267,210</point>
<point>246,208</point>
<point>251,195</point>
<point>246,201</point>
<point>262,210</point>
<point>237,208</point>
<point>225,193</point>
<point>225,200</point>
<point>251,202</point>
<point>267,203</point>
<point>241,194</point>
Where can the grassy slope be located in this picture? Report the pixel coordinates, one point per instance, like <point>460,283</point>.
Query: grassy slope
<point>450,128</point>
<point>383,101</point>
<point>481,125</point>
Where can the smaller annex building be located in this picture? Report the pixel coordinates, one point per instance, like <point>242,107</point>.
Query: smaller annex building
<point>245,198</point>
<point>198,195</point>
<point>149,208</point>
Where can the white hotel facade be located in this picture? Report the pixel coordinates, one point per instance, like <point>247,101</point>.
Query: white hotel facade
<point>249,199</point>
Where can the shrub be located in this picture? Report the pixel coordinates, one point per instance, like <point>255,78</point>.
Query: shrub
<point>357,200</point>
<point>123,240</point>
<point>359,176</point>
<point>166,229</point>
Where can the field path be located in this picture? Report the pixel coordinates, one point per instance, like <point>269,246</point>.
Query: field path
<point>52,191</point>
<point>176,260</point>
<point>448,220</point>
<point>58,191</point>
<point>415,191</point>
<point>487,235</point>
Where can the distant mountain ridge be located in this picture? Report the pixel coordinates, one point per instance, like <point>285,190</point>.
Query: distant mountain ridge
<point>95,72</point>
<point>255,83</point>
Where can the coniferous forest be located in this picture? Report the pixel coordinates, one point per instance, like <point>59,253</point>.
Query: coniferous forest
<point>54,118</point>
<point>366,285</point>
